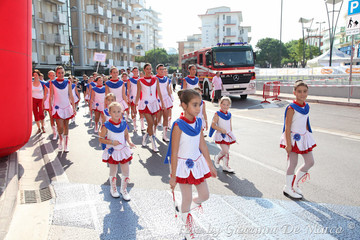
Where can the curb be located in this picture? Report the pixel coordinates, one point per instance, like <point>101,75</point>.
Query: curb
<point>349,104</point>
<point>10,195</point>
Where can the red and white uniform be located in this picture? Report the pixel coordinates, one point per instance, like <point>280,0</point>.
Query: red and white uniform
<point>190,86</point>
<point>133,90</point>
<point>47,99</point>
<point>164,92</point>
<point>76,99</point>
<point>99,99</point>
<point>148,101</point>
<point>61,108</point>
<point>201,114</point>
<point>122,152</point>
<point>229,137</point>
<point>189,149</point>
<point>117,91</point>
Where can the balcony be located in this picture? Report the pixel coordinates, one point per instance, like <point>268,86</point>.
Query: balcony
<point>137,3</point>
<point>118,49</point>
<point>230,23</point>
<point>140,53</point>
<point>119,63</point>
<point>104,1</point>
<point>130,23</point>
<point>129,8</point>
<point>130,37</point>
<point>34,57</point>
<point>230,34</point>
<point>119,5</point>
<point>60,2</point>
<point>94,10</point>
<point>131,51</point>
<point>125,49</point>
<point>109,46</point>
<point>117,34</point>
<point>140,40</point>
<point>91,45</point>
<point>138,16</point>
<point>100,28</point>
<point>138,28</point>
<point>55,39</point>
<point>100,45</point>
<point>110,62</point>
<point>107,14</point>
<point>118,20</point>
<point>90,27</point>
<point>108,30</point>
<point>55,17</point>
<point>33,33</point>
<point>124,35</point>
<point>57,59</point>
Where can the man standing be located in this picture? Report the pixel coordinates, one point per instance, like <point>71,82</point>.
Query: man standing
<point>217,86</point>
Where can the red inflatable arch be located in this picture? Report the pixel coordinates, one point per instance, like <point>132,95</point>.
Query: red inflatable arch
<point>15,74</point>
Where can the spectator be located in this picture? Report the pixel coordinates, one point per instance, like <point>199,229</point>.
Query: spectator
<point>174,81</point>
<point>217,86</point>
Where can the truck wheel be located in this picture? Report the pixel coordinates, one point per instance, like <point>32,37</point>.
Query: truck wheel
<point>243,97</point>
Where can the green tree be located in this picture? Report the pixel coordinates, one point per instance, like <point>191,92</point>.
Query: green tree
<point>269,52</point>
<point>174,60</point>
<point>154,57</point>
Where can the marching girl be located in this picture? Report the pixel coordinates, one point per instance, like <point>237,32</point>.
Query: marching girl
<point>191,81</point>
<point>117,151</point>
<point>51,75</point>
<point>223,136</point>
<point>116,86</point>
<point>202,115</point>
<point>189,157</point>
<point>75,93</point>
<point>109,98</point>
<point>132,95</point>
<point>297,139</point>
<point>147,89</point>
<point>39,92</point>
<point>62,107</point>
<point>97,100</point>
<point>166,96</point>
<point>89,86</point>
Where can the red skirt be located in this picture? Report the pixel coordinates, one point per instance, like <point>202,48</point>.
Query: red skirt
<point>191,180</point>
<point>112,161</point>
<point>56,116</point>
<point>223,142</point>
<point>295,149</point>
<point>147,111</point>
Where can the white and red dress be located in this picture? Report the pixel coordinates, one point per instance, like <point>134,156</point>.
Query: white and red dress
<point>61,108</point>
<point>302,140</point>
<point>225,123</point>
<point>148,99</point>
<point>191,82</point>
<point>120,153</point>
<point>116,87</point>
<point>133,90</point>
<point>164,83</point>
<point>76,98</point>
<point>201,114</point>
<point>47,99</point>
<point>99,98</point>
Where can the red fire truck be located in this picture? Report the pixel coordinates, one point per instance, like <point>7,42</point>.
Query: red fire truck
<point>235,62</point>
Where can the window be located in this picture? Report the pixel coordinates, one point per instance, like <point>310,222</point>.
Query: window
<point>201,59</point>
<point>223,16</point>
<point>228,19</point>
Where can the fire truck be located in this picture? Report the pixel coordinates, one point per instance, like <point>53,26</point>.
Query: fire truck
<point>234,61</point>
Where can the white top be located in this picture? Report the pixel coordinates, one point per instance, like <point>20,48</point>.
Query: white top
<point>117,92</point>
<point>149,97</point>
<point>99,101</point>
<point>163,89</point>
<point>37,92</point>
<point>61,104</point>
<point>133,90</point>
<point>190,86</point>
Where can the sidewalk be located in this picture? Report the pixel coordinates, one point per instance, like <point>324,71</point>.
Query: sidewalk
<point>320,99</point>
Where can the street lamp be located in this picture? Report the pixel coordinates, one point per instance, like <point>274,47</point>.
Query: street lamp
<point>320,32</point>
<point>302,21</point>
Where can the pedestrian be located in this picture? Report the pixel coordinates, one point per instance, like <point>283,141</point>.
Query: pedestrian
<point>217,86</point>
<point>116,86</point>
<point>132,95</point>
<point>62,106</point>
<point>166,96</point>
<point>174,81</point>
<point>115,135</point>
<point>297,139</point>
<point>223,136</point>
<point>97,100</point>
<point>109,98</point>
<point>189,157</point>
<point>83,83</point>
<point>39,92</point>
<point>147,89</point>
<point>129,73</point>
<point>75,93</point>
<point>202,115</point>
<point>51,76</point>
<point>191,81</point>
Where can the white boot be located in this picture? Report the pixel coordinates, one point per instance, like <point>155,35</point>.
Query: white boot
<point>145,139</point>
<point>113,190</point>
<point>54,133</point>
<point>300,176</point>
<point>153,143</point>
<point>288,189</point>
<point>189,222</point>
<point>165,138</point>
<point>66,145</point>
<point>123,190</point>
<point>217,159</point>
<point>154,130</point>
<point>226,167</point>
<point>60,143</point>
<point>142,124</point>
<point>134,123</point>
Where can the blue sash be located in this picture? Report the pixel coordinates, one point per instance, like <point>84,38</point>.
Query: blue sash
<point>99,90</point>
<point>47,84</point>
<point>162,80</point>
<point>111,84</point>
<point>60,85</point>
<point>192,82</point>
<point>133,80</point>
<point>87,85</point>
<point>301,110</point>
<point>73,86</point>
<point>106,111</point>
<point>113,128</point>
<point>223,116</point>
<point>93,84</point>
<point>187,129</point>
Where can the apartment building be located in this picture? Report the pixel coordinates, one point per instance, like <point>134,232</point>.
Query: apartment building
<point>191,44</point>
<point>220,24</point>
<point>76,29</point>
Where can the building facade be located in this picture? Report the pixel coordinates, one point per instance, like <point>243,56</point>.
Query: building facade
<point>191,44</point>
<point>69,32</point>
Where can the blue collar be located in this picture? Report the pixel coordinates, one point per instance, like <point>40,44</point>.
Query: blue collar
<point>99,90</point>
<point>192,82</point>
<point>113,128</point>
<point>93,84</point>
<point>111,84</point>
<point>47,84</point>
<point>301,110</point>
<point>73,85</point>
<point>187,129</point>
<point>162,80</point>
<point>223,116</point>
<point>106,111</point>
<point>133,80</point>
<point>60,85</point>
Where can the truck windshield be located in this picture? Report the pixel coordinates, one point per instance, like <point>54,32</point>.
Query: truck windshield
<point>233,58</point>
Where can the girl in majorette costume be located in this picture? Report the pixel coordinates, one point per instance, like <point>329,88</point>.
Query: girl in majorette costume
<point>190,159</point>
<point>115,135</point>
<point>89,87</point>
<point>191,81</point>
<point>109,98</point>
<point>172,99</point>
<point>39,92</point>
<point>166,95</point>
<point>202,115</point>
<point>97,100</point>
<point>223,136</point>
<point>147,90</point>
<point>116,86</point>
<point>297,139</point>
<point>132,95</point>
<point>125,78</point>
<point>62,107</point>
<point>76,94</point>
<point>51,75</point>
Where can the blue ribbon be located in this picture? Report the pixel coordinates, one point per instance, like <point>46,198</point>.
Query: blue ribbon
<point>111,84</point>
<point>187,129</point>
<point>47,84</point>
<point>223,116</point>
<point>192,82</point>
<point>93,84</point>
<point>106,111</point>
<point>133,80</point>
<point>301,110</point>
<point>99,89</point>
<point>60,85</point>
<point>162,80</point>
<point>113,128</point>
<point>73,86</point>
